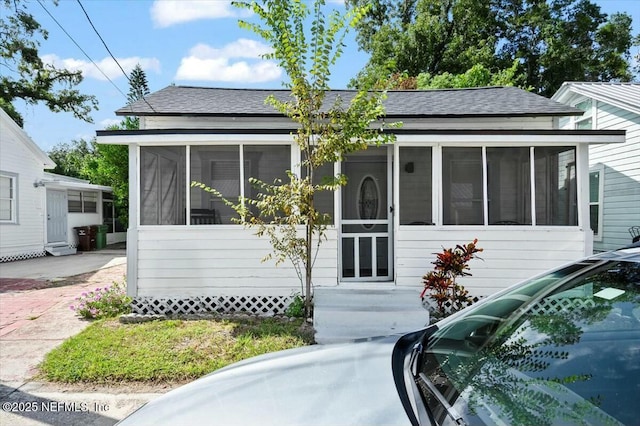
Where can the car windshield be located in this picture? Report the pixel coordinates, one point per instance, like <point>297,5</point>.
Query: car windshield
<point>560,349</point>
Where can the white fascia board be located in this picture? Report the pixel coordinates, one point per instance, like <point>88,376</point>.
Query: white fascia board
<point>480,138</point>
<point>567,90</point>
<point>40,155</point>
<point>185,138</point>
<point>75,185</point>
<point>511,139</point>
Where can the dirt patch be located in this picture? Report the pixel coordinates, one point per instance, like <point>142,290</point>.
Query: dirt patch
<point>101,278</point>
<point>115,388</point>
<point>22,284</point>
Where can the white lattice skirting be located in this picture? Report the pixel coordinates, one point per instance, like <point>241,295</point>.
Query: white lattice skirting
<point>22,256</point>
<point>256,305</point>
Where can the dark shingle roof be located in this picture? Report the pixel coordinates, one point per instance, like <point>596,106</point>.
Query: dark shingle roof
<point>482,101</point>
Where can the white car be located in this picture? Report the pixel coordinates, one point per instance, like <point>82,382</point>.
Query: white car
<point>560,349</point>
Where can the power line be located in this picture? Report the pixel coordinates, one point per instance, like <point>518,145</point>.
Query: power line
<point>102,40</point>
<point>111,54</point>
<point>81,49</point>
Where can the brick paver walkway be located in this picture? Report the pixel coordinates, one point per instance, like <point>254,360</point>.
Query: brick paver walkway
<point>35,316</point>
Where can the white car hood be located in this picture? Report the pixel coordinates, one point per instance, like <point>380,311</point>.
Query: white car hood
<point>318,385</point>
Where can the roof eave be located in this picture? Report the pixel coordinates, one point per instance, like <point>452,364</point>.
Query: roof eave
<point>394,116</point>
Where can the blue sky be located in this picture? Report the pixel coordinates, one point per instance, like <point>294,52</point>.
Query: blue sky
<point>183,42</point>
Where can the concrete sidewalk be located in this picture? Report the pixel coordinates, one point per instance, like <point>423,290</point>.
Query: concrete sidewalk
<point>51,268</point>
<point>35,317</point>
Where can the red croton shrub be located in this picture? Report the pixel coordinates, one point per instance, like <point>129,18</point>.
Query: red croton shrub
<point>440,284</point>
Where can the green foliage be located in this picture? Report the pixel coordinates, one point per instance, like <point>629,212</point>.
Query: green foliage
<point>110,166</point>
<point>108,352</point>
<point>296,308</point>
<point>73,159</point>
<point>552,41</point>
<point>477,76</point>
<point>100,164</point>
<point>104,302</point>
<point>138,85</point>
<point>440,284</point>
<point>24,74</point>
<point>327,131</point>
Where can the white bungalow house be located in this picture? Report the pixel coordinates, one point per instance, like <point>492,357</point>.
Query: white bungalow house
<point>614,171</point>
<point>486,163</point>
<point>38,210</point>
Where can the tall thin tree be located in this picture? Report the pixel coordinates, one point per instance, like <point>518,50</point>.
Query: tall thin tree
<point>306,43</point>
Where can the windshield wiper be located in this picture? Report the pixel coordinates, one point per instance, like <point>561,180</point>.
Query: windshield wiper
<point>451,412</point>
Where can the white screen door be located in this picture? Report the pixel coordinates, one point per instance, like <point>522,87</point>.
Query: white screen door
<point>366,218</point>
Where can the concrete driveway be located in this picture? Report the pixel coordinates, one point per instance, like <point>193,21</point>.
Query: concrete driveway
<point>35,317</point>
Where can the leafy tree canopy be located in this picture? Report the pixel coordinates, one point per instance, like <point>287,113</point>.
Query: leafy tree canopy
<point>72,158</point>
<point>552,41</point>
<point>24,76</point>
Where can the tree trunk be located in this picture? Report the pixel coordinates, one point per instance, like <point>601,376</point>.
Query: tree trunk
<point>308,270</point>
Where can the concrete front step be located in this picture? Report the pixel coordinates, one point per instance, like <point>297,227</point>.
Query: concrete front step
<point>346,314</point>
<point>60,250</point>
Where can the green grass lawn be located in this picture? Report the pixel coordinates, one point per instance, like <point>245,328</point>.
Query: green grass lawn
<point>109,352</point>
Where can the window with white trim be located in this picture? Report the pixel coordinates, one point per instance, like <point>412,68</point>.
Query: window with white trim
<point>8,198</point>
<point>82,201</point>
<point>585,121</point>
<point>596,178</point>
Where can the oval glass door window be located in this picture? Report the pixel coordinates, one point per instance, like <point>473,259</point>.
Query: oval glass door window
<point>369,200</point>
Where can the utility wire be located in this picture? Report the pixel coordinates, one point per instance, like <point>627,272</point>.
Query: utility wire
<point>102,40</point>
<point>81,49</point>
<point>111,54</point>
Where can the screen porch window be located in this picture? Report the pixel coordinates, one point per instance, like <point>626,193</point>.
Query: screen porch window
<point>164,189</point>
<point>462,182</point>
<point>8,195</point>
<point>556,187</point>
<point>416,186</point>
<point>509,186</point>
<point>505,195</point>
<point>219,168</point>
<point>162,185</point>
<point>267,163</point>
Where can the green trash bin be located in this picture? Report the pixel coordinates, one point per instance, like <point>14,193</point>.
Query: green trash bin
<point>101,236</point>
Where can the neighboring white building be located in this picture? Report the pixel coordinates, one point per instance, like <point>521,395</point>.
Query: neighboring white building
<point>39,210</point>
<point>486,163</point>
<point>614,171</point>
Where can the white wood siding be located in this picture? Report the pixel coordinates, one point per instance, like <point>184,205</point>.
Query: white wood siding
<point>219,260</point>
<point>510,255</point>
<point>621,163</point>
<point>26,236</point>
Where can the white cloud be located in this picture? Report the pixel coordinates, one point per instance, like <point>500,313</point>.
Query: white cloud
<point>109,122</point>
<point>241,48</point>
<point>165,13</point>
<point>206,63</point>
<point>108,66</point>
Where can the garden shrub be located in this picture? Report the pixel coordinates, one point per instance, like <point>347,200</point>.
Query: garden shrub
<point>440,284</point>
<point>104,302</point>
